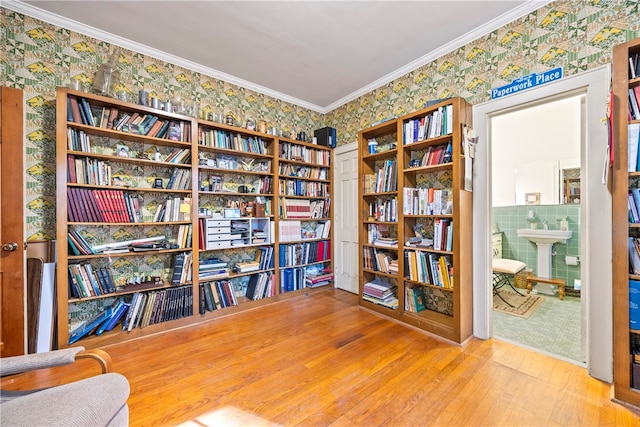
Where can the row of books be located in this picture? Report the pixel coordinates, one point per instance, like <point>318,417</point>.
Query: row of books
<point>380,292</point>
<point>78,140</point>
<point>634,103</point>
<point>149,308</point>
<point>302,153</point>
<point>434,155</point>
<point>634,65</point>
<point>239,164</point>
<point>309,172</point>
<point>304,253</point>
<point>427,201</point>
<point>182,268</point>
<point>180,179</point>
<point>380,260</point>
<point>296,187</point>
<point>322,230</point>
<point>85,281</point>
<point>88,171</point>
<point>219,138</point>
<point>435,124</point>
<point>442,234</point>
<point>292,279</point>
<point>634,205</point>
<point>180,156</point>
<point>173,209</point>
<point>260,286</point>
<point>216,295</point>
<point>633,144</point>
<point>87,205</point>
<point>415,299</point>
<point>384,209</point>
<point>384,180</point>
<point>426,267</point>
<point>79,110</point>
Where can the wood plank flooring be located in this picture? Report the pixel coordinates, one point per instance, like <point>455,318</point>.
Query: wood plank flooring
<point>320,360</point>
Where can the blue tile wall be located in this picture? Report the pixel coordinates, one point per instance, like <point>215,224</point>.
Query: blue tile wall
<point>508,219</point>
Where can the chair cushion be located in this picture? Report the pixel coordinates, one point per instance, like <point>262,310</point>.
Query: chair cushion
<point>508,266</point>
<point>96,401</point>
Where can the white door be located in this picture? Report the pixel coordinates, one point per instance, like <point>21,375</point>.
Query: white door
<point>345,218</point>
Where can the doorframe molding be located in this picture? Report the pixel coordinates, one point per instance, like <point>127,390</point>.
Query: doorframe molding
<point>596,259</point>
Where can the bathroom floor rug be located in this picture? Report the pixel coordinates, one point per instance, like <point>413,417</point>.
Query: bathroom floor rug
<point>523,305</point>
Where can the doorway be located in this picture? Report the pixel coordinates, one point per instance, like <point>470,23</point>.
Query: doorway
<point>595,221</point>
<point>529,162</point>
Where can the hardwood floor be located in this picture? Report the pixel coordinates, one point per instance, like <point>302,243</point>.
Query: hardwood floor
<point>321,360</point>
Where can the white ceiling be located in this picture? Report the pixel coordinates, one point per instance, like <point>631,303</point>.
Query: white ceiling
<point>317,54</point>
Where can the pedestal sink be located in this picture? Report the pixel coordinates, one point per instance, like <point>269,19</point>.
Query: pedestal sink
<point>544,240</point>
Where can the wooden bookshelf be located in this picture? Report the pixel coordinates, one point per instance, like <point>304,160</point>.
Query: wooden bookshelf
<point>622,182</point>
<point>423,166</point>
<point>222,186</point>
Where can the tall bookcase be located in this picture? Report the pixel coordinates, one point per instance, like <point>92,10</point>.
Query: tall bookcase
<point>186,218</point>
<point>416,225</point>
<point>626,338</point>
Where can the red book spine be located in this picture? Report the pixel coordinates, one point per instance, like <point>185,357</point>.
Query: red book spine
<point>113,205</point>
<point>103,205</point>
<point>118,196</point>
<point>75,109</point>
<point>71,169</point>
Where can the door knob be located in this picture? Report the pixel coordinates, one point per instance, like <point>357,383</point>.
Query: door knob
<point>10,247</point>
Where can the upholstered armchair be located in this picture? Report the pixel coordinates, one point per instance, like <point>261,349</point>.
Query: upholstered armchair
<point>96,401</point>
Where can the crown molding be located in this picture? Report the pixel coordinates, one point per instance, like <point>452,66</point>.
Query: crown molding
<point>504,19</point>
<point>79,27</point>
<point>494,24</point>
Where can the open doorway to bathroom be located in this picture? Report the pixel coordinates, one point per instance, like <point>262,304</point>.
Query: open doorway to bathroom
<point>595,213</point>
<point>535,158</point>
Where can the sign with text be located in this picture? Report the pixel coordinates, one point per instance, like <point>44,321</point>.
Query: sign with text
<point>527,82</point>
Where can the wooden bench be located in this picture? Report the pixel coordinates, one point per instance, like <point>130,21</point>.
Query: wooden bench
<point>531,279</point>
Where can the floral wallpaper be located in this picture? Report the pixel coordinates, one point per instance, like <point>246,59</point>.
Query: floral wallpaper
<point>574,34</point>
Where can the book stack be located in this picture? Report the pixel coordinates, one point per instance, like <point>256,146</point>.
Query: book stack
<point>317,280</point>
<point>212,269</point>
<point>390,242</point>
<point>380,292</point>
<point>246,267</point>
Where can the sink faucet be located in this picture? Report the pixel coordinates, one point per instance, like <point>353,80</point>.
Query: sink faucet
<point>545,224</point>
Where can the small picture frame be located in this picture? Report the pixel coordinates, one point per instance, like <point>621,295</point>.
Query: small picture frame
<point>158,183</point>
<point>122,150</point>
